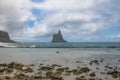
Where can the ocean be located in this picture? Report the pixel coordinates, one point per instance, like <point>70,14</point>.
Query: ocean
<point>64,45</point>
<point>37,52</point>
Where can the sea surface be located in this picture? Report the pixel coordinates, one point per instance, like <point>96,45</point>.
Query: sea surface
<point>64,45</point>
<point>37,55</point>
<point>55,52</point>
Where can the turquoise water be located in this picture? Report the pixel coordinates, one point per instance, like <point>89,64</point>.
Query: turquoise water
<point>67,45</point>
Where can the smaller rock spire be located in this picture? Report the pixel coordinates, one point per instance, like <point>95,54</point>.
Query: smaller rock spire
<point>59,31</point>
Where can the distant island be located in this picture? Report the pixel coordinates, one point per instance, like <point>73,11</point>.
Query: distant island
<point>58,38</point>
<point>4,37</point>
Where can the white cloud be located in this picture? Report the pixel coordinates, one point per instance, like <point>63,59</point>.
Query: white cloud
<point>79,17</point>
<point>116,36</point>
<point>65,4</point>
<point>14,14</point>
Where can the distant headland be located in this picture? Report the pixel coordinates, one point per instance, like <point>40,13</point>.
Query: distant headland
<point>58,38</point>
<point>4,37</point>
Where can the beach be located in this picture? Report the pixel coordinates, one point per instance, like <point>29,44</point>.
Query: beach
<point>59,39</point>
<point>59,63</point>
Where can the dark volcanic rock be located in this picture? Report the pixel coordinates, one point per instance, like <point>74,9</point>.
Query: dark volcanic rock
<point>58,37</point>
<point>4,37</point>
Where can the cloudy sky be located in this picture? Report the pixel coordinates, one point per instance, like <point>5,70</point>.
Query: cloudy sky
<point>79,20</point>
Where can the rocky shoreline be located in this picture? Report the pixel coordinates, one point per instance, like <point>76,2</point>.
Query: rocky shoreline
<point>89,70</point>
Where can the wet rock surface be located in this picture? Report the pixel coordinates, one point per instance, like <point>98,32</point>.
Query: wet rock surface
<point>42,71</point>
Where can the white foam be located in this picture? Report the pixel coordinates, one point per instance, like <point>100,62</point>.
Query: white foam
<point>33,46</point>
<point>6,45</point>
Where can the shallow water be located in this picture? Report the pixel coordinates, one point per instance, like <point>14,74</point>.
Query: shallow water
<point>34,55</point>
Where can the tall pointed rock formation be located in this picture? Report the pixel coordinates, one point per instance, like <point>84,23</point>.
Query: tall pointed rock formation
<point>58,38</point>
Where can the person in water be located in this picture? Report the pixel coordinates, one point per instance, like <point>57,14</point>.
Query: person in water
<point>57,52</point>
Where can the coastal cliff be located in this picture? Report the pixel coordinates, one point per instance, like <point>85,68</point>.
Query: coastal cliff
<point>58,38</point>
<point>4,37</point>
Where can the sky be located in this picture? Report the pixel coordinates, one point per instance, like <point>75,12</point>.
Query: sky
<point>79,20</point>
